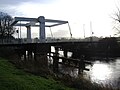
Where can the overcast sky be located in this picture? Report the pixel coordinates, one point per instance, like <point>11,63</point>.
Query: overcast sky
<point>77,12</point>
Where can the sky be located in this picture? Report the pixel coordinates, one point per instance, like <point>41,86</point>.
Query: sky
<point>82,15</point>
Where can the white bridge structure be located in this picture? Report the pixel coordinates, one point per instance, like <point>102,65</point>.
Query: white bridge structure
<point>37,22</point>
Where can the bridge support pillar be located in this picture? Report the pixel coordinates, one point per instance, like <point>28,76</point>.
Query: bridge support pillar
<point>55,60</point>
<point>29,40</point>
<point>81,65</point>
<point>65,55</point>
<point>42,36</point>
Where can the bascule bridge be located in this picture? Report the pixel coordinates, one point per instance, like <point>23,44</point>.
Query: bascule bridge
<point>38,52</point>
<point>36,22</point>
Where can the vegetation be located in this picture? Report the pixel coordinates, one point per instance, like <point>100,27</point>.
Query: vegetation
<point>6,30</point>
<point>81,83</point>
<point>116,18</point>
<point>14,79</point>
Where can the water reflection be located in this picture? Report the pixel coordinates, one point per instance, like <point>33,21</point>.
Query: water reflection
<point>100,72</point>
<point>105,72</point>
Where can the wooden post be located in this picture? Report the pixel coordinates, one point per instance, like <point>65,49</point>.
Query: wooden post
<point>55,60</point>
<point>49,53</point>
<point>24,55</point>
<point>81,65</point>
<point>65,55</point>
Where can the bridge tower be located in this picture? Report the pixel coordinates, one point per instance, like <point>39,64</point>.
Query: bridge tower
<point>29,40</point>
<point>42,35</point>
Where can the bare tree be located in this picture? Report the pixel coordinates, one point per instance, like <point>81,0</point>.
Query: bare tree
<point>116,18</point>
<point>6,30</point>
<point>117,15</point>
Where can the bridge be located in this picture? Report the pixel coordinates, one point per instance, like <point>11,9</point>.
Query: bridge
<point>38,52</point>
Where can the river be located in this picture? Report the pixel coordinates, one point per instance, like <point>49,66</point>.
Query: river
<point>101,71</point>
<point>105,72</point>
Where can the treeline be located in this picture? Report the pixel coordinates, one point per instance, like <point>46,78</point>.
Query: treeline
<point>6,30</point>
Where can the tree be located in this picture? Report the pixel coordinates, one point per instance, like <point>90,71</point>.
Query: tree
<point>6,30</point>
<point>116,17</point>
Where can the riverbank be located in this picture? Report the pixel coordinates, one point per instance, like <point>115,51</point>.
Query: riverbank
<point>12,78</point>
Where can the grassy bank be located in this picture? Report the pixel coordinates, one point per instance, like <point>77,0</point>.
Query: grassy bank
<point>15,79</point>
<point>12,78</point>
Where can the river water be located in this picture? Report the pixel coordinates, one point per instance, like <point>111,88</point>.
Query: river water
<point>105,72</point>
<point>101,71</point>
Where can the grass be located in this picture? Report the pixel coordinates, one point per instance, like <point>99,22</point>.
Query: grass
<point>12,78</point>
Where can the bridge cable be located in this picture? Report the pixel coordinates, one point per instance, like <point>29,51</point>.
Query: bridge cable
<point>51,32</point>
<point>70,30</point>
